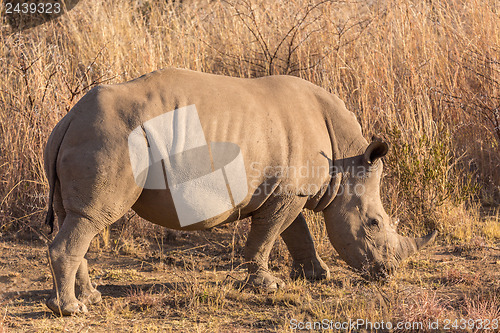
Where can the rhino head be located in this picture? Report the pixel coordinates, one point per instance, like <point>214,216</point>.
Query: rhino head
<point>357,224</point>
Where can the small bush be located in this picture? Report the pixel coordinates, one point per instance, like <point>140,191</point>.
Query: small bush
<point>425,175</point>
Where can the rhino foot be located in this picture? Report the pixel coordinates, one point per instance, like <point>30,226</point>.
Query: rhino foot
<point>66,308</point>
<point>265,280</point>
<point>90,297</point>
<point>313,270</point>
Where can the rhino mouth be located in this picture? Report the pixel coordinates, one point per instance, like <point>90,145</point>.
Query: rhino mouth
<point>378,271</point>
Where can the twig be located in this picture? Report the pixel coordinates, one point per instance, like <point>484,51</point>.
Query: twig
<point>38,232</point>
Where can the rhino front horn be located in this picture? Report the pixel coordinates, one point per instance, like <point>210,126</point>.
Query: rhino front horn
<point>410,245</point>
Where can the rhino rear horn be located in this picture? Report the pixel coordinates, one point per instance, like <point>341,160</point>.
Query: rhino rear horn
<point>377,149</point>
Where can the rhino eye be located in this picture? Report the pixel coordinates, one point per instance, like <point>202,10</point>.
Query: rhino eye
<point>374,223</point>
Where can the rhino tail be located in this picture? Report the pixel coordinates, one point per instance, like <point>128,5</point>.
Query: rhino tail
<point>50,160</point>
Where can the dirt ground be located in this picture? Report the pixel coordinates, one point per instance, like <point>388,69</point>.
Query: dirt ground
<point>179,281</point>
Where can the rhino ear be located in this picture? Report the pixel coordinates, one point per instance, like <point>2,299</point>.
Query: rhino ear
<point>377,149</point>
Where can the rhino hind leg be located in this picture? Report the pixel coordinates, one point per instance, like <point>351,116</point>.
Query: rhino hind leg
<point>66,258</point>
<point>267,224</point>
<point>84,290</point>
<point>306,261</point>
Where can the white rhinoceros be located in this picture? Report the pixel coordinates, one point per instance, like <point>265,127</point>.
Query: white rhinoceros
<point>189,151</point>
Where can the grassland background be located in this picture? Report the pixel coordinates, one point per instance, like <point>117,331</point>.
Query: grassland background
<point>425,75</point>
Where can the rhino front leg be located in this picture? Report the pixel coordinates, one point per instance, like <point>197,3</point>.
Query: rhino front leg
<point>267,224</point>
<point>306,262</point>
<point>66,257</point>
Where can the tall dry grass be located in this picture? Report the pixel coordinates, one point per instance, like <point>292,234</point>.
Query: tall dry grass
<point>425,75</point>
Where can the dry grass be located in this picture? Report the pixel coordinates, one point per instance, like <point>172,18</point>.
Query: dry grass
<point>423,74</point>
<point>180,286</point>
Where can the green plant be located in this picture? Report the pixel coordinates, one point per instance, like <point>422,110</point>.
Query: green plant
<point>427,175</point>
